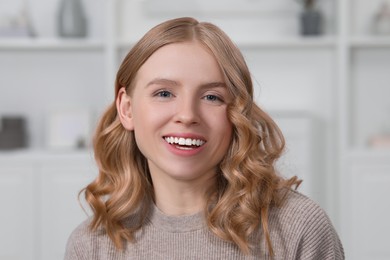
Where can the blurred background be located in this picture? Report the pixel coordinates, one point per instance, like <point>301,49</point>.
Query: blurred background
<point>320,67</point>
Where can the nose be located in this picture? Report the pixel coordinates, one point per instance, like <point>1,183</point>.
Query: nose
<point>187,112</point>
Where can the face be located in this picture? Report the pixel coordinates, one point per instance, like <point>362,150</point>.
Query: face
<point>178,111</point>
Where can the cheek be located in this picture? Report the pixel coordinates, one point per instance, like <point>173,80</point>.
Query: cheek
<point>228,134</point>
<point>224,122</point>
<point>143,114</point>
<point>225,129</point>
<point>148,118</point>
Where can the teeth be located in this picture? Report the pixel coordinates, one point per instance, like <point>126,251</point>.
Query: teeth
<point>184,141</point>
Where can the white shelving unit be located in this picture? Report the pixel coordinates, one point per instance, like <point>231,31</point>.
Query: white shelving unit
<point>325,77</point>
<point>364,171</point>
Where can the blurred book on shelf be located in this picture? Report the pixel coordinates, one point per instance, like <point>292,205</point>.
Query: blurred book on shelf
<point>13,133</point>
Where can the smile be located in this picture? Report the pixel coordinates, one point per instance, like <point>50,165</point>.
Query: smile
<point>181,141</point>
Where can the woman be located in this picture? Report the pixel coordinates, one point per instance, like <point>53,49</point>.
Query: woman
<point>187,162</point>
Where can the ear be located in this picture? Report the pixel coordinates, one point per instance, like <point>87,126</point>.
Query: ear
<point>123,106</point>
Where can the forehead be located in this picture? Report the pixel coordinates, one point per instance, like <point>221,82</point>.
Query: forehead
<point>182,57</point>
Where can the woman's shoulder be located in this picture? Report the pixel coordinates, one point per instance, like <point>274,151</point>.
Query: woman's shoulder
<point>79,241</point>
<point>298,205</point>
<point>304,221</point>
<point>87,243</point>
<point>82,230</point>
<point>297,208</point>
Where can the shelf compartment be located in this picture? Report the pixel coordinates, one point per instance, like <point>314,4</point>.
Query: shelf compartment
<point>369,97</point>
<point>31,44</point>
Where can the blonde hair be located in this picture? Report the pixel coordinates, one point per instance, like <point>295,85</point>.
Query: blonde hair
<point>247,184</point>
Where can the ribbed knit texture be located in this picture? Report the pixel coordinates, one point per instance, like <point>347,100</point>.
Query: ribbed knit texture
<point>300,229</point>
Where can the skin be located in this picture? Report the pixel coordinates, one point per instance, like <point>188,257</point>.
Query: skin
<point>179,92</point>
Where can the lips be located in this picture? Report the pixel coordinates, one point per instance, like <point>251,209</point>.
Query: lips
<point>184,142</point>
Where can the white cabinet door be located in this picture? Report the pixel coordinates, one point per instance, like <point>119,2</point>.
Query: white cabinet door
<point>60,209</point>
<point>16,215</point>
<point>366,212</point>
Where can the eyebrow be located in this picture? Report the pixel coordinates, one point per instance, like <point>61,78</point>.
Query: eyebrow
<point>214,85</point>
<point>163,81</point>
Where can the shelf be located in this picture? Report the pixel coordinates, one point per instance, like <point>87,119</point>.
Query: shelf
<point>7,156</point>
<point>290,42</point>
<point>287,42</point>
<point>369,154</point>
<point>31,44</point>
<point>370,41</point>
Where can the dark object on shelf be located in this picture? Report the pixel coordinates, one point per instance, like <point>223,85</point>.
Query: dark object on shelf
<point>311,22</point>
<point>13,133</point>
<point>72,20</point>
<point>310,19</point>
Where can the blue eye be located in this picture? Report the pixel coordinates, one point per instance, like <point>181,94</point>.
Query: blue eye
<point>164,94</point>
<point>212,98</point>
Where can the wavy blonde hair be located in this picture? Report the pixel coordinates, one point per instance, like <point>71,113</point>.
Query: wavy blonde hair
<point>247,184</point>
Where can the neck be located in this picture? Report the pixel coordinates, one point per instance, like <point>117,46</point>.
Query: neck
<point>180,198</point>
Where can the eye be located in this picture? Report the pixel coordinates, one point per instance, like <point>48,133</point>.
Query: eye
<point>163,94</point>
<point>213,98</point>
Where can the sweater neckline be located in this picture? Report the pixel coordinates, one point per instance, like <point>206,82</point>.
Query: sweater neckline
<point>176,224</point>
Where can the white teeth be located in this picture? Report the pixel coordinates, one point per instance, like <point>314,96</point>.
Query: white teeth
<point>184,141</point>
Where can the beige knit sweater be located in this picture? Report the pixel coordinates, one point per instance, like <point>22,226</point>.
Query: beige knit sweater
<point>299,230</point>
